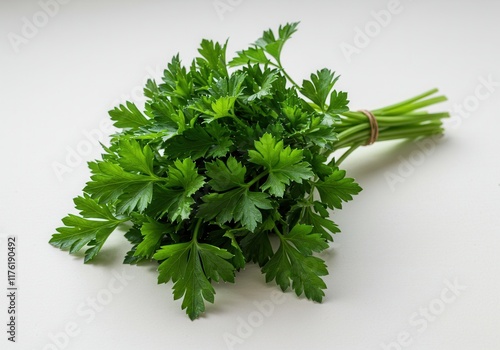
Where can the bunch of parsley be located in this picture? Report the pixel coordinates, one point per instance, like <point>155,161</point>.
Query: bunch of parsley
<point>224,156</point>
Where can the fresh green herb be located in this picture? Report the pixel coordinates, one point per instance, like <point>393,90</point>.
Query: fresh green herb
<point>225,156</point>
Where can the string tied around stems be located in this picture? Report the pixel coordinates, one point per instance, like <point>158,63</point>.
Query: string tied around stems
<point>373,126</point>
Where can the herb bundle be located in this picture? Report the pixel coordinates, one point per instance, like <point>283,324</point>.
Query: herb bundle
<point>226,155</point>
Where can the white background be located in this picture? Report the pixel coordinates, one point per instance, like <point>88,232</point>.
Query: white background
<point>401,243</point>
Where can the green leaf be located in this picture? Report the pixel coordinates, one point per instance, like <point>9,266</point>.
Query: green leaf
<point>338,102</point>
<point>265,87</point>
<point>292,264</point>
<point>133,157</point>
<point>222,107</point>
<point>305,241</point>
<point>238,205</point>
<point>81,231</point>
<point>166,115</point>
<point>221,103</point>
<point>238,260</point>
<point>215,263</point>
<point>337,189</point>
<point>184,174</point>
<point>177,82</point>
<point>305,275</point>
<point>191,266</point>
<point>318,88</point>
<point>135,237</point>
<point>210,141</point>
<point>128,116</point>
<point>318,164</point>
<point>110,182</point>
<point>225,176</point>
<point>251,55</point>
<point>213,56</point>
<point>256,247</point>
<point>175,198</point>
<point>279,268</point>
<point>273,45</point>
<point>320,223</point>
<point>89,208</point>
<point>283,164</point>
<point>151,89</point>
<point>135,196</point>
<point>228,86</point>
<point>153,232</point>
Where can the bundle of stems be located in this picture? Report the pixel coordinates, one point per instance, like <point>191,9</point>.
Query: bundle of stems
<point>403,120</point>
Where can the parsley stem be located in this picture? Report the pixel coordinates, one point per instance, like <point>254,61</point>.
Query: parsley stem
<point>347,153</point>
<point>280,235</point>
<point>197,230</point>
<point>237,120</point>
<point>408,101</point>
<point>257,178</point>
<point>280,67</point>
<point>403,120</point>
<point>290,78</point>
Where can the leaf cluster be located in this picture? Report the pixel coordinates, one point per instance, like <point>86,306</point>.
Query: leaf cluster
<point>224,157</point>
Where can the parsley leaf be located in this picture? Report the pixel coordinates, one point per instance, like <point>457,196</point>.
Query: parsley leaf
<point>251,55</point>
<point>213,56</point>
<point>237,205</point>
<point>111,182</point>
<point>80,231</point>
<point>153,233</point>
<point>318,88</point>
<point>177,82</point>
<point>128,116</point>
<point>338,102</point>
<point>272,44</point>
<point>292,264</point>
<point>283,164</point>
<point>135,158</point>
<point>337,189</point>
<point>319,220</point>
<point>198,142</point>
<point>225,176</point>
<point>176,195</point>
<point>191,266</point>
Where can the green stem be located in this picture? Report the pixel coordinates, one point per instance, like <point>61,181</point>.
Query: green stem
<point>417,105</point>
<point>278,233</point>
<point>280,67</point>
<point>257,178</point>
<point>347,153</point>
<point>403,120</point>
<point>197,230</point>
<point>237,120</point>
<point>291,80</point>
<point>408,101</point>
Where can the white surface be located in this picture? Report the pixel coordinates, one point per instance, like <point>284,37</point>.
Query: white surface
<point>398,247</point>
